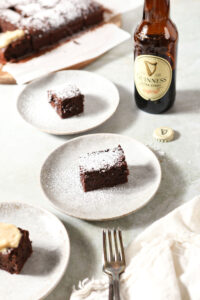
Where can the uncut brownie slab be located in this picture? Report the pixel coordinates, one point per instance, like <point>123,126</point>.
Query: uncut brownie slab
<point>66,100</point>
<point>12,260</point>
<point>44,23</point>
<point>103,169</point>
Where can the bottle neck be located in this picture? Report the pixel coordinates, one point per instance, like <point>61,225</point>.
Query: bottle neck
<point>156,10</point>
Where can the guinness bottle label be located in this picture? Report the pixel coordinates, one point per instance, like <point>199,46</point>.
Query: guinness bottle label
<point>153,76</point>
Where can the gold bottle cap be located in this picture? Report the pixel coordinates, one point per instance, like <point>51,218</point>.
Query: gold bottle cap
<point>164,134</point>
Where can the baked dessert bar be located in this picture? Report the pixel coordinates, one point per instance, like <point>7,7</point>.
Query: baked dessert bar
<point>67,100</point>
<point>16,252</point>
<point>42,24</point>
<point>103,169</point>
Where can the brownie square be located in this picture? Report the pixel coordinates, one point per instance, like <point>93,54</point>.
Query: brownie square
<point>57,25</point>
<point>39,31</point>
<point>12,260</point>
<point>67,101</point>
<point>103,169</point>
<point>73,16</point>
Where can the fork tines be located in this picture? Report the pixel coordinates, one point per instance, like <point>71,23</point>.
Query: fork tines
<point>113,253</point>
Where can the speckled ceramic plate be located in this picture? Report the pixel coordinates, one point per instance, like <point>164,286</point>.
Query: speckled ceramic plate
<point>101,101</point>
<point>48,262</point>
<point>61,183</point>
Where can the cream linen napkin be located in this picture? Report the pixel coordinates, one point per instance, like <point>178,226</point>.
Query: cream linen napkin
<point>163,263</point>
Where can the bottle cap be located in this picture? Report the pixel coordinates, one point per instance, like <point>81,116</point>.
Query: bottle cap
<point>164,134</point>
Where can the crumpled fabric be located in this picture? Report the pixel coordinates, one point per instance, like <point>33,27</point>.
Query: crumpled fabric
<point>163,263</point>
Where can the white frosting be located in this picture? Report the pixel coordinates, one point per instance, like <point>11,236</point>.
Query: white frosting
<point>101,160</point>
<point>9,236</point>
<point>10,36</point>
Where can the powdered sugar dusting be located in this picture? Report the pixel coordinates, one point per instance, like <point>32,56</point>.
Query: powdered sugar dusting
<point>65,91</point>
<point>48,3</point>
<point>69,10</point>
<point>10,3</point>
<point>101,160</point>
<point>34,23</point>
<point>28,10</point>
<point>83,5</point>
<point>54,20</point>
<point>10,16</point>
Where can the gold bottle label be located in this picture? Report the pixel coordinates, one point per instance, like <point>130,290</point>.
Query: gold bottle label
<point>153,76</point>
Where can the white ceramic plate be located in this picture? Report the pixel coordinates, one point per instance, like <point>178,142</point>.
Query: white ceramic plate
<point>101,101</point>
<point>61,183</point>
<point>48,262</point>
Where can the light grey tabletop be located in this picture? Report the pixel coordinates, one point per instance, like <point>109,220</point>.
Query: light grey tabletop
<point>24,148</point>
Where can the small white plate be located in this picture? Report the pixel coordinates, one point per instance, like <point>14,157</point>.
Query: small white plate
<point>61,183</point>
<point>101,102</point>
<point>48,262</point>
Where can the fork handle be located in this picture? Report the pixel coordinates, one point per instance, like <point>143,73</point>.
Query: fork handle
<point>116,288</point>
<point>111,297</point>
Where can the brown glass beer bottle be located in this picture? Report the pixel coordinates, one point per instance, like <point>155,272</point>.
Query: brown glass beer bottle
<point>155,53</point>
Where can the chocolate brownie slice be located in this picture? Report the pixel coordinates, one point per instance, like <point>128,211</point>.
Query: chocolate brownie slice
<point>12,260</point>
<point>45,24</point>
<point>67,100</point>
<point>103,169</point>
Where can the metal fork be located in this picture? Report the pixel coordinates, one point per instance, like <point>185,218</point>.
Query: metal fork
<point>114,260</point>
